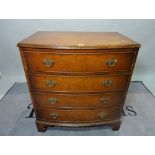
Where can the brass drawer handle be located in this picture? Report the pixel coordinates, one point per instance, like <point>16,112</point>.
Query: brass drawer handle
<point>111,62</point>
<point>104,100</point>
<point>102,115</point>
<point>52,100</point>
<point>48,62</point>
<point>51,83</point>
<point>107,83</point>
<point>54,115</point>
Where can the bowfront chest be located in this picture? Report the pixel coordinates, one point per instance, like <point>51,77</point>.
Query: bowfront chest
<point>78,78</point>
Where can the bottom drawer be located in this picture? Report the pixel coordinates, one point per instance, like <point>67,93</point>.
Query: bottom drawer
<point>77,115</point>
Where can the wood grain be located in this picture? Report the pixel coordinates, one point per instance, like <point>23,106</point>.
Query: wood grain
<point>79,72</point>
<point>42,125</point>
<point>77,101</point>
<point>78,63</point>
<point>78,115</point>
<point>78,83</point>
<point>78,40</point>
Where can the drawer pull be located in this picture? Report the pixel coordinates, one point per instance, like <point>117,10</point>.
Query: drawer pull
<point>107,83</point>
<point>104,100</point>
<point>111,62</point>
<point>52,100</point>
<point>54,115</point>
<point>51,83</point>
<point>48,62</point>
<point>102,115</point>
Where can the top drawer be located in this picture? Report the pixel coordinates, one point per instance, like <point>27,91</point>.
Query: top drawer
<point>79,62</point>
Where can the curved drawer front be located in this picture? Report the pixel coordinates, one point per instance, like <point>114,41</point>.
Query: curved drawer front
<point>77,115</point>
<point>78,83</point>
<point>50,100</point>
<point>89,63</point>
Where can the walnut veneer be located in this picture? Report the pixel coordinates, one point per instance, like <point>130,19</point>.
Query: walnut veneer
<point>78,78</point>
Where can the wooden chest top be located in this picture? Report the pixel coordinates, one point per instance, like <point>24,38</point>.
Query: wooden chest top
<point>78,40</point>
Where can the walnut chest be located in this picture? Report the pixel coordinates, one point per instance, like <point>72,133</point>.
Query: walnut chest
<point>78,78</point>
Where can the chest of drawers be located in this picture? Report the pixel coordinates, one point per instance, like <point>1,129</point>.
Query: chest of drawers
<point>78,78</point>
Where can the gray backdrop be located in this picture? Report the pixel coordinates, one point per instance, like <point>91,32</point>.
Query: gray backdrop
<point>143,31</point>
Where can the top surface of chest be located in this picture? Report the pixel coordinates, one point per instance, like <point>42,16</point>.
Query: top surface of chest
<point>78,40</point>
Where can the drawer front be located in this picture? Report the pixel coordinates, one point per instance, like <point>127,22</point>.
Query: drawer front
<point>50,100</point>
<point>108,62</point>
<point>78,83</point>
<point>77,115</point>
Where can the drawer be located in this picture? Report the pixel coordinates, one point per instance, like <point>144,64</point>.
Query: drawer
<point>77,115</point>
<point>50,100</point>
<point>78,83</point>
<point>76,63</point>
